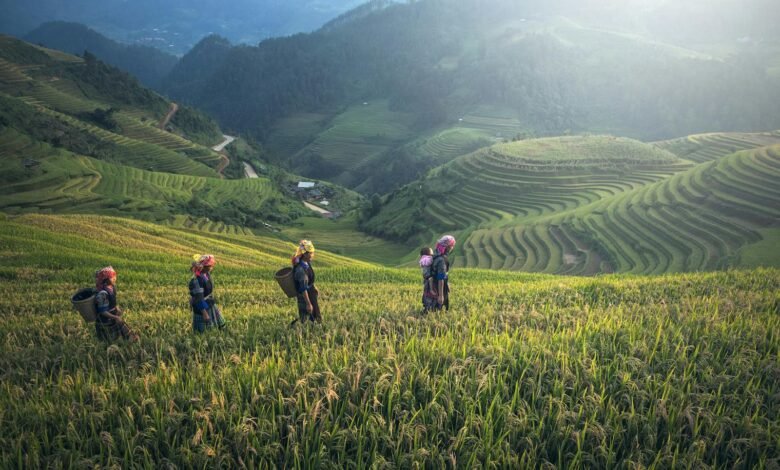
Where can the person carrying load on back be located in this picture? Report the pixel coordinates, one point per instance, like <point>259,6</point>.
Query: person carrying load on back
<point>205,313</point>
<point>109,324</point>
<point>440,269</point>
<point>303,275</point>
<point>429,289</point>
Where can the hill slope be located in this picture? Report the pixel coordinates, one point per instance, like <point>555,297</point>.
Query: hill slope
<point>525,370</point>
<point>521,179</point>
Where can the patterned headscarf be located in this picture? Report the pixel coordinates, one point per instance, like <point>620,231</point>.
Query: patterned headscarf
<point>447,241</point>
<point>304,246</point>
<point>201,261</point>
<point>102,275</point>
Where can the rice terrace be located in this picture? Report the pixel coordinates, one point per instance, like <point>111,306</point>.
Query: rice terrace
<point>447,234</point>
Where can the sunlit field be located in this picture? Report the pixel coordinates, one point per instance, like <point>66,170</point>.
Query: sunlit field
<point>525,370</point>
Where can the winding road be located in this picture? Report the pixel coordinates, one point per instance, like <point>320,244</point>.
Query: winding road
<point>219,149</point>
<point>228,140</point>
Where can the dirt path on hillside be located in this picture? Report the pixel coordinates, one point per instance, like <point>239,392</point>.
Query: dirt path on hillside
<point>172,112</point>
<point>225,161</point>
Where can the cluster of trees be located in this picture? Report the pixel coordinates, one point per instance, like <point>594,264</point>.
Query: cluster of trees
<point>103,118</point>
<point>197,126</point>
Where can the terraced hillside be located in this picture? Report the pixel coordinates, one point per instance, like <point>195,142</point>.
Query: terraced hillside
<point>702,148</point>
<point>522,180</point>
<point>525,370</point>
<point>479,128</point>
<point>81,136</point>
<point>704,218</point>
<point>67,88</point>
<point>60,181</point>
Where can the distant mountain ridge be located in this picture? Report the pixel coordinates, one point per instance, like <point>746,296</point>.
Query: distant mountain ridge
<point>146,63</point>
<point>175,26</point>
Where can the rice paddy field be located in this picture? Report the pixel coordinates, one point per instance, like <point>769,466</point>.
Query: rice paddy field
<point>64,182</point>
<point>525,370</point>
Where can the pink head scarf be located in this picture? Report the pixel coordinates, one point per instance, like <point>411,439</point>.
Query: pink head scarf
<point>445,242</point>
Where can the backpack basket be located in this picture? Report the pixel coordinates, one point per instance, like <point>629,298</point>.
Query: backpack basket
<point>285,279</point>
<point>84,302</point>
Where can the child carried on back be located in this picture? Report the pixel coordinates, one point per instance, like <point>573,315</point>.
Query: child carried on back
<point>429,290</point>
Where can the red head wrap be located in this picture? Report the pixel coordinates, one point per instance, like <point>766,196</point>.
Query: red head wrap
<point>103,275</point>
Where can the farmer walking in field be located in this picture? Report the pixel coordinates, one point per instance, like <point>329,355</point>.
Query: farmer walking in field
<point>303,275</point>
<point>109,324</point>
<point>439,270</point>
<point>205,313</point>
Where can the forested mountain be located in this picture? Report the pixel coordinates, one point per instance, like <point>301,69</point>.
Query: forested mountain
<point>439,60</point>
<point>191,73</point>
<point>146,63</point>
<point>175,26</point>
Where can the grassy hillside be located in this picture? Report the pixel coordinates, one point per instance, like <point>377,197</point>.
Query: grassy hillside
<point>77,136</point>
<point>71,90</point>
<point>526,370</point>
<point>354,140</point>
